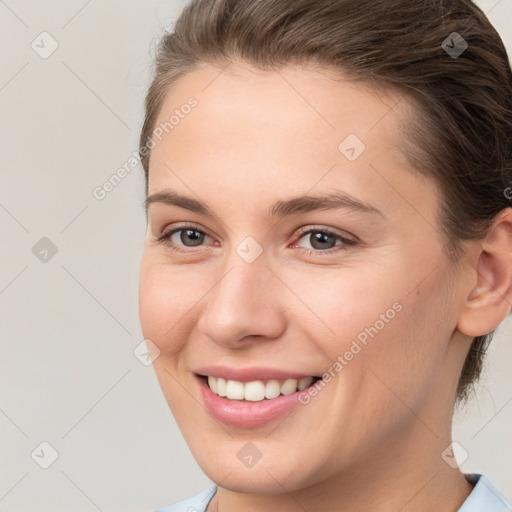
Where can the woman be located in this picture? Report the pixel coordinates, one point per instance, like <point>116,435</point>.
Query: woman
<point>328,249</point>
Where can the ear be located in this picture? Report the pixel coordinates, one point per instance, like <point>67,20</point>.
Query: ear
<point>490,297</point>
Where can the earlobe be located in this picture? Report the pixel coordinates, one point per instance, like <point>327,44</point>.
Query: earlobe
<point>490,298</point>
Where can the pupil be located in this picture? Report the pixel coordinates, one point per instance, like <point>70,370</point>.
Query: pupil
<point>321,238</point>
<point>190,234</point>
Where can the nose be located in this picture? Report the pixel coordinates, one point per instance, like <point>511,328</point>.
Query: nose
<point>244,305</point>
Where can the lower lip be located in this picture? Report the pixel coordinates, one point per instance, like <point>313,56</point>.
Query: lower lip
<point>244,413</point>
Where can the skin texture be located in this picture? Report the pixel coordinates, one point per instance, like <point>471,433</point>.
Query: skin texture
<point>372,438</point>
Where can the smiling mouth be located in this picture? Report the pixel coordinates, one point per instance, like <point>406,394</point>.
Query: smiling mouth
<point>257,390</point>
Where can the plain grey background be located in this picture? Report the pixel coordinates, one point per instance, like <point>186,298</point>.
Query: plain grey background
<point>69,272</point>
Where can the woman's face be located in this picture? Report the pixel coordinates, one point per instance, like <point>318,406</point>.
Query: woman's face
<point>306,246</point>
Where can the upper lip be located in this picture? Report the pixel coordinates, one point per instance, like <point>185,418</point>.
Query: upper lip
<point>250,374</point>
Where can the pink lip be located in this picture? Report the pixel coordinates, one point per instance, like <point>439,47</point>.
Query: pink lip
<point>245,414</point>
<point>249,374</point>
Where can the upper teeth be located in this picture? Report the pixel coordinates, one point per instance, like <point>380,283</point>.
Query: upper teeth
<point>256,390</point>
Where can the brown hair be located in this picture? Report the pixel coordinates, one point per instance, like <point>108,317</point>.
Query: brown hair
<point>461,133</point>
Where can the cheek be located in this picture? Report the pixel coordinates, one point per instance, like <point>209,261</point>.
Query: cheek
<point>163,307</point>
<point>164,302</point>
<point>347,306</point>
<point>375,322</point>
<point>407,355</point>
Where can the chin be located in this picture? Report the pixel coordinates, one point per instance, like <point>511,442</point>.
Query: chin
<point>264,477</point>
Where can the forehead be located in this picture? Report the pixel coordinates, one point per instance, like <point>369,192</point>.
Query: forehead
<point>291,130</point>
<point>314,101</point>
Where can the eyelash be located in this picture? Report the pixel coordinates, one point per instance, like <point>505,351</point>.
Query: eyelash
<point>165,238</point>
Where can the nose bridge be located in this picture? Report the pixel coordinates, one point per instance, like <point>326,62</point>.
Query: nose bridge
<point>243,302</point>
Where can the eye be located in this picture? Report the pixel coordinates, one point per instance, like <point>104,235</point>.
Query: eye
<point>324,241</point>
<point>185,236</point>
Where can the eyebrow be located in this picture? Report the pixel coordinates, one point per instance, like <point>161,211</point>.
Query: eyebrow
<point>281,208</point>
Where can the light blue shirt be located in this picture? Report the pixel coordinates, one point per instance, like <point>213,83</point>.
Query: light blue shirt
<point>483,498</point>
